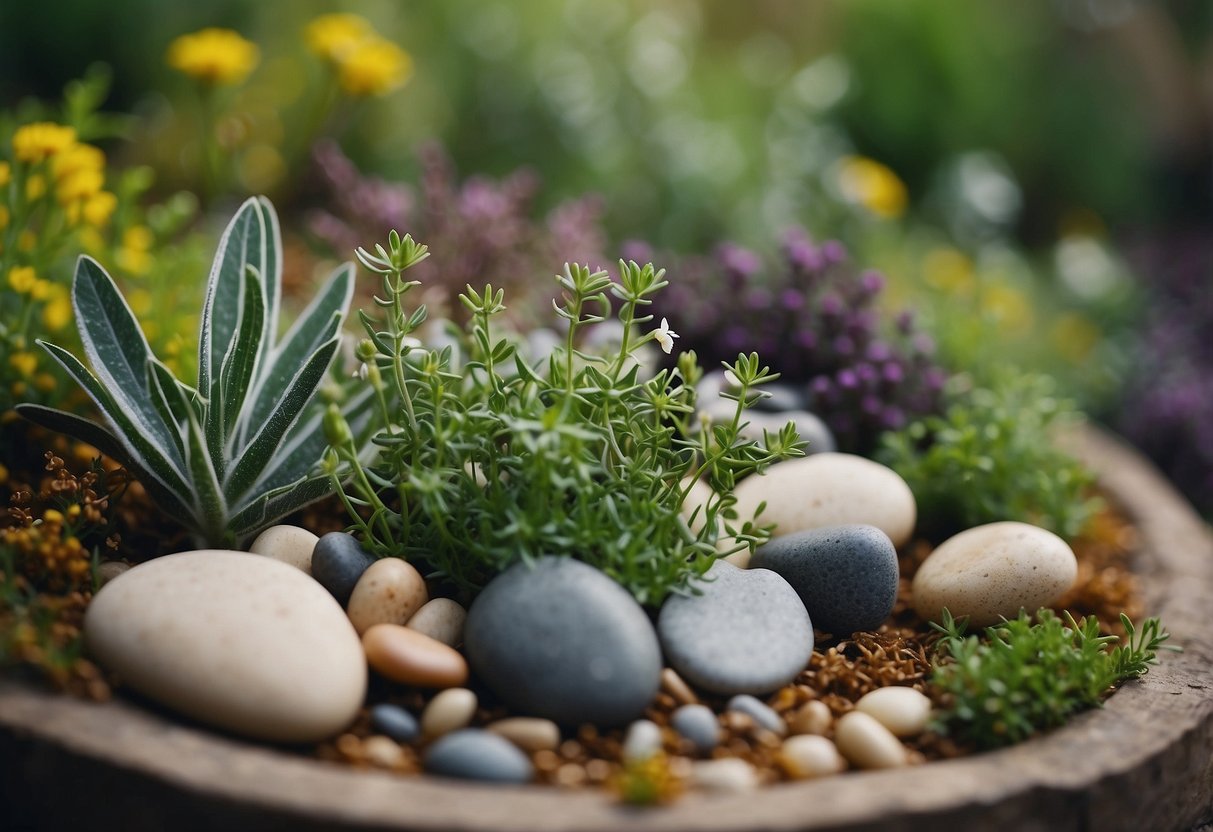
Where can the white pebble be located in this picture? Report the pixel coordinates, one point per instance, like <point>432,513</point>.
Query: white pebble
<point>289,544</point>
<point>868,744</point>
<point>643,740</point>
<point>441,619</point>
<point>731,775</point>
<point>904,711</point>
<point>390,591</point>
<point>809,755</point>
<point>448,711</point>
<point>528,733</point>
<point>812,717</point>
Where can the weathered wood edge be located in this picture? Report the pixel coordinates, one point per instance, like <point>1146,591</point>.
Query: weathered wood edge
<point>1143,761</point>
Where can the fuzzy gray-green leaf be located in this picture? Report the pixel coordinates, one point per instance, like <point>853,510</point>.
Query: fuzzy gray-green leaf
<point>240,363</point>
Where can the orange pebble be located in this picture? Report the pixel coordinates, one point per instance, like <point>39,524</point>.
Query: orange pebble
<point>412,658</point>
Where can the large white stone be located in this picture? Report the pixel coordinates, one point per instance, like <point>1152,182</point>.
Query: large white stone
<point>991,571</point>
<point>830,489</point>
<point>236,640</point>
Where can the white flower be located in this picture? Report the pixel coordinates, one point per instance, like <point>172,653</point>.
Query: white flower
<point>362,372</point>
<point>665,336</point>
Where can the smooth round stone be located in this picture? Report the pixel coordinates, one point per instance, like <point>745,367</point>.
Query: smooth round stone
<point>763,715</point>
<point>812,717</point>
<point>235,640</point>
<point>904,711</point>
<point>529,733</point>
<point>809,755</point>
<point>338,561</point>
<point>809,426</point>
<point>390,591</point>
<point>563,641</point>
<point>473,754</point>
<point>730,775</point>
<point>383,752</point>
<point>830,489</point>
<point>395,722</point>
<point>441,619</point>
<point>747,632</point>
<point>449,711</point>
<point>642,741</point>
<point>289,544</point>
<point>408,657</point>
<point>698,724</point>
<point>109,570</point>
<point>845,575</point>
<point>989,572</point>
<point>868,744</point>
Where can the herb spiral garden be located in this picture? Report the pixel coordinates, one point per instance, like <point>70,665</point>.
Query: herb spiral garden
<point>402,510</point>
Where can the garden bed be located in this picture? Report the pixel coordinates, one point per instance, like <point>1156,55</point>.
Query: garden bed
<point>1142,761</point>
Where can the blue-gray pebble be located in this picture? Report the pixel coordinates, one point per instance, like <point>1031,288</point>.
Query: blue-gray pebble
<point>395,722</point>
<point>845,575</point>
<point>762,714</point>
<point>563,641</point>
<point>475,754</point>
<point>746,632</point>
<point>338,561</point>
<point>698,724</point>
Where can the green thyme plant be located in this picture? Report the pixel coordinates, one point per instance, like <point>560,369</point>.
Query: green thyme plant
<point>1023,678</point>
<point>485,458</point>
<point>991,457</point>
<point>241,448</point>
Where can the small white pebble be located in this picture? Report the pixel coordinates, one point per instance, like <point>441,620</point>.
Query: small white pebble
<point>868,744</point>
<point>289,544</point>
<point>441,619</point>
<point>643,740</point>
<point>731,775</point>
<point>809,755</point>
<point>528,733</point>
<point>904,711</point>
<point>813,717</point>
<point>382,751</point>
<point>448,711</point>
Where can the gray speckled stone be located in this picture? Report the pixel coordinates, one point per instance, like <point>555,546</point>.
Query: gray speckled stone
<point>474,754</point>
<point>747,632</point>
<point>338,561</point>
<point>395,722</point>
<point>762,714</point>
<point>698,724</point>
<point>565,642</point>
<point>845,575</point>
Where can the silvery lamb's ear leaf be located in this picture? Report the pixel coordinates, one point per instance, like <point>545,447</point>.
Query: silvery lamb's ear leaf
<point>318,323</point>
<point>208,494</point>
<point>155,458</point>
<point>257,455</point>
<point>239,367</point>
<point>168,399</point>
<point>117,349</point>
<point>108,444</point>
<point>243,244</point>
<point>271,275</point>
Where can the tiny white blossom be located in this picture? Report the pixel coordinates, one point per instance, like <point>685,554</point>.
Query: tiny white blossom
<point>665,336</point>
<point>362,372</point>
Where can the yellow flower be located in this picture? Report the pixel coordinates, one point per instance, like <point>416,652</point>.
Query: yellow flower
<point>137,237</point>
<point>41,290</point>
<point>872,185</point>
<point>38,141</point>
<point>35,187</point>
<point>99,207</point>
<point>79,186</point>
<point>57,313</point>
<point>6,173</point>
<point>375,67</point>
<point>25,363</point>
<point>332,36</point>
<point>133,256</point>
<point>21,279</point>
<point>45,382</point>
<point>77,157</point>
<point>213,56</point>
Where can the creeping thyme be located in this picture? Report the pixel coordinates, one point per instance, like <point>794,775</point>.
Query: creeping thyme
<point>484,458</point>
<point>1023,678</point>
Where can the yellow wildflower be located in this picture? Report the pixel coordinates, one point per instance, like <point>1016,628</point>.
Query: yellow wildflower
<point>45,382</point>
<point>138,237</point>
<point>41,290</point>
<point>35,187</point>
<point>213,56</point>
<point>77,157</point>
<point>24,362</point>
<point>98,208</point>
<point>79,186</point>
<point>4,217</point>
<point>872,185</point>
<point>57,313</point>
<point>133,256</point>
<point>376,67</point>
<point>6,173</point>
<point>36,142</point>
<point>332,36</point>
<point>21,279</point>
<point>91,241</point>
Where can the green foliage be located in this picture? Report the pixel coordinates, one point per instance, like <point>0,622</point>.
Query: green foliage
<point>486,458</point>
<point>991,457</point>
<point>1023,677</point>
<point>238,450</point>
